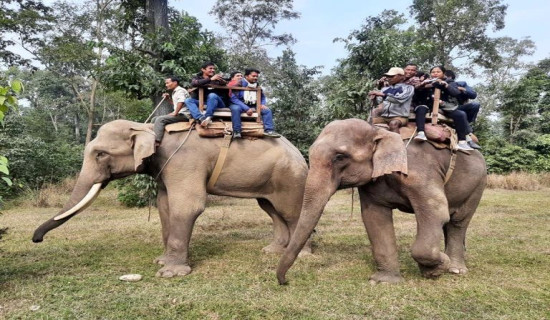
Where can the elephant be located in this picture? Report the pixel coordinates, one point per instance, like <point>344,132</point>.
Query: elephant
<point>390,175</point>
<point>271,170</point>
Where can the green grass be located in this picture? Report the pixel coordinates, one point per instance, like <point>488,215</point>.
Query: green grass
<point>74,273</point>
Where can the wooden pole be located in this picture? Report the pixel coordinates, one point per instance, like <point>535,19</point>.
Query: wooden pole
<point>152,113</point>
<point>435,109</point>
<point>259,104</point>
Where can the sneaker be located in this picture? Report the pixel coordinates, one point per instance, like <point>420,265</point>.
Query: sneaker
<point>206,121</point>
<point>237,135</point>
<point>271,134</point>
<point>463,146</point>
<point>474,145</point>
<point>420,136</point>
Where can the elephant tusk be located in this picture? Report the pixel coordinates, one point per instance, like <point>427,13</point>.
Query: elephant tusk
<point>83,204</point>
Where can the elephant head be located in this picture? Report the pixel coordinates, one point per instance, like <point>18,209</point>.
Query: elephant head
<point>118,151</point>
<point>347,153</point>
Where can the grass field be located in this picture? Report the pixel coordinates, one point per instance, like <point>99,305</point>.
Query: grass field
<point>74,273</point>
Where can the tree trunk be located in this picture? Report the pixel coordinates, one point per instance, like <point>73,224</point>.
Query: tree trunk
<point>91,113</point>
<point>157,15</point>
<point>77,127</point>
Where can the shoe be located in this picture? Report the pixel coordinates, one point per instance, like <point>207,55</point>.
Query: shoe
<point>206,121</point>
<point>474,145</point>
<point>463,146</point>
<point>271,134</point>
<point>420,136</point>
<point>237,135</point>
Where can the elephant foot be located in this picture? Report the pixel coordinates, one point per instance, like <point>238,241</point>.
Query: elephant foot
<point>174,270</point>
<point>385,277</point>
<point>160,260</point>
<point>435,271</point>
<point>458,268</point>
<point>274,248</point>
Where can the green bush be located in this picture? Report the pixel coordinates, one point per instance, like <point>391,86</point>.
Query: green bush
<point>137,191</point>
<point>34,162</point>
<point>502,157</point>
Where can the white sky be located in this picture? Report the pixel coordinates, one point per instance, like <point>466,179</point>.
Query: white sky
<point>324,20</point>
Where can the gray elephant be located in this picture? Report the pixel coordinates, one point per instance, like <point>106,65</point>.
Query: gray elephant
<point>271,170</point>
<point>388,175</point>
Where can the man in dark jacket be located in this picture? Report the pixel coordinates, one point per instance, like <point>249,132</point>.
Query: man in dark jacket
<point>212,97</point>
<point>245,101</point>
<point>464,104</point>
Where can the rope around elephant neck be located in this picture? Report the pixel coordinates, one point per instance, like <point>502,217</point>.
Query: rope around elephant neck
<point>177,149</point>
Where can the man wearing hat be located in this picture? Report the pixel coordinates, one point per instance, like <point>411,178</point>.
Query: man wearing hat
<point>396,100</point>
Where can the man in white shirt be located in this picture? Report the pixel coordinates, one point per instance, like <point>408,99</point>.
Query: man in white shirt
<point>181,112</point>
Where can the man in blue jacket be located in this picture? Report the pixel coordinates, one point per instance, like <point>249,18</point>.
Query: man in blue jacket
<point>245,101</point>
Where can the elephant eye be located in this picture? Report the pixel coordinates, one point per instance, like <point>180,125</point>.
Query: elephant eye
<point>101,154</point>
<point>339,157</point>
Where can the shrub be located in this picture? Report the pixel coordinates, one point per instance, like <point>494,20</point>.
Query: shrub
<point>502,157</point>
<point>137,191</point>
<point>34,162</point>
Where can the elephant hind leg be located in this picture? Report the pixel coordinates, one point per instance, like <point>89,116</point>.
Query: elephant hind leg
<point>281,233</point>
<point>455,232</point>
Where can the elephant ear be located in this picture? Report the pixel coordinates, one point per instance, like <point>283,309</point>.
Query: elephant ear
<point>143,144</point>
<point>389,154</point>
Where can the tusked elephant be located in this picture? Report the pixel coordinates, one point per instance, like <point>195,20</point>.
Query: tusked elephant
<point>351,153</point>
<point>271,170</point>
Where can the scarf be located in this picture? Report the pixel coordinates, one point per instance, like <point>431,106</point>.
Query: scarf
<point>250,96</point>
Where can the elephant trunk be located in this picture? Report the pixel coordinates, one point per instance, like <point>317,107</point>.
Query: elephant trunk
<point>82,196</point>
<point>317,193</point>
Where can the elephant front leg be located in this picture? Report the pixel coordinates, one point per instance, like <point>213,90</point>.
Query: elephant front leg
<point>431,216</point>
<point>163,208</point>
<point>378,222</point>
<point>183,214</point>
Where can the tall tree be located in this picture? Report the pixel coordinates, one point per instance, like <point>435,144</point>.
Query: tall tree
<point>457,29</point>
<point>141,72</point>
<point>21,21</point>
<point>250,30</point>
<point>296,102</point>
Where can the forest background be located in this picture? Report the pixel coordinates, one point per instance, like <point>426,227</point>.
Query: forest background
<point>68,67</point>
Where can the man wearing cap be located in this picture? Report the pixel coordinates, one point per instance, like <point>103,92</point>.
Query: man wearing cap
<point>396,100</point>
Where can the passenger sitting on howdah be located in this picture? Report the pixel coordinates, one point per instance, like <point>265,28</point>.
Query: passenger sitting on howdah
<point>241,95</point>
<point>406,94</point>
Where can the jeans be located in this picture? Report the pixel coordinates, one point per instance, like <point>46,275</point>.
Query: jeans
<point>267,118</point>
<point>161,121</point>
<point>213,101</point>
<point>458,116</point>
<point>471,110</point>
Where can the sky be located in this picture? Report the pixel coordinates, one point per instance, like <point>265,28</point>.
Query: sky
<point>323,20</point>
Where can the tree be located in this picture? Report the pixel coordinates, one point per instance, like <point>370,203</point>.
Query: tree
<point>296,101</point>
<point>457,29</point>
<point>24,19</point>
<point>181,52</point>
<point>250,27</point>
<point>8,100</point>
<point>525,102</point>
